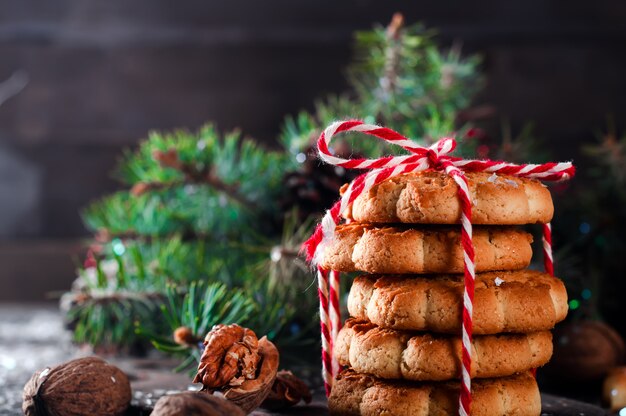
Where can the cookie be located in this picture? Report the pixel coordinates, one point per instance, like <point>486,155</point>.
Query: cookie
<point>521,301</point>
<point>355,394</point>
<point>431,198</point>
<point>392,354</point>
<point>402,250</point>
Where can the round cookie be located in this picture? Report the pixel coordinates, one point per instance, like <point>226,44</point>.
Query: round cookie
<point>391,354</point>
<point>403,250</point>
<point>431,198</point>
<point>355,394</point>
<point>520,301</point>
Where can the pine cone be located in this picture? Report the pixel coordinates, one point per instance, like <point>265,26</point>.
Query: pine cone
<point>168,159</point>
<point>139,188</point>
<point>184,336</point>
<point>315,186</point>
<point>288,390</point>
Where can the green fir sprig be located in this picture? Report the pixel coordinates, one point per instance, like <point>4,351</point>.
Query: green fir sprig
<point>202,235</point>
<point>401,79</point>
<point>198,308</point>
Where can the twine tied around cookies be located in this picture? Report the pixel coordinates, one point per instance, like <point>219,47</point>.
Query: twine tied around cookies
<point>420,158</point>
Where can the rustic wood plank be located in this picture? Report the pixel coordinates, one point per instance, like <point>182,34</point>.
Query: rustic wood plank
<point>31,338</point>
<point>101,74</point>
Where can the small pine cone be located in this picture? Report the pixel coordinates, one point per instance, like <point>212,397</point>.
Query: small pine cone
<point>139,188</point>
<point>168,159</point>
<point>184,336</point>
<point>313,188</point>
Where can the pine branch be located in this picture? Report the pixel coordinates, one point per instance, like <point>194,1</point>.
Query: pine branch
<point>389,82</point>
<point>205,208</point>
<point>109,320</point>
<point>195,309</point>
<point>232,191</point>
<point>209,176</point>
<point>399,79</point>
<point>610,156</point>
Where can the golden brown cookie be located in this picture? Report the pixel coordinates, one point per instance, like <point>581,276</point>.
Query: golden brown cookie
<point>403,250</point>
<point>355,394</point>
<point>431,198</point>
<point>521,301</point>
<point>418,356</point>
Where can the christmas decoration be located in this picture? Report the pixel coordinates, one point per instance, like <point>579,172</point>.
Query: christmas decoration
<point>614,389</point>
<point>199,208</point>
<point>209,228</point>
<point>218,221</point>
<point>585,351</point>
<point>311,186</point>
<point>86,386</point>
<point>420,159</point>
<point>238,364</point>
<point>195,403</point>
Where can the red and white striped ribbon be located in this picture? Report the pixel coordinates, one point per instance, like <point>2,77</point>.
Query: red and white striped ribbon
<point>419,158</point>
<point>327,351</point>
<point>548,261</point>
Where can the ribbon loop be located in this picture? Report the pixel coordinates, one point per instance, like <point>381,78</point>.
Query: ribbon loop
<point>433,157</point>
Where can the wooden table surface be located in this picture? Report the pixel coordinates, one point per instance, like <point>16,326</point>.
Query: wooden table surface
<point>32,337</point>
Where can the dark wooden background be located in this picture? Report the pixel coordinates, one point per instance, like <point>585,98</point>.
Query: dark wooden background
<point>103,73</point>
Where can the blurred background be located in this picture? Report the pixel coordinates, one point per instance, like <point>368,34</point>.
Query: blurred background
<point>89,78</point>
<point>82,80</point>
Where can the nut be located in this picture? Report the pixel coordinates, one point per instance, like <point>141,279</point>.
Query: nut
<point>288,390</point>
<point>235,362</point>
<point>251,393</point>
<point>195,403</point>
<point>86,386</point>
<point>230,356</point>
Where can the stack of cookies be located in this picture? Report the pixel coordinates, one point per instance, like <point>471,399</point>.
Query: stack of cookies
<point>401,347</point>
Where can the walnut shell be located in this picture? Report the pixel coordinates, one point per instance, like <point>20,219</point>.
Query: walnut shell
<point>251,393</point>
<point>86,386</point>
<point>287,391</point>
<point>195,403</point>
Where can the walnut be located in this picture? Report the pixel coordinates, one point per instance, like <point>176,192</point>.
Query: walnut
<point>86,386</point>
<point>288,390</point>
<point>230,356</point>
<point>235,362</point>
<point>195,403</point>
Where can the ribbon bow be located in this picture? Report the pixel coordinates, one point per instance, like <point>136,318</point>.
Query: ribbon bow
<point>420,158</point>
